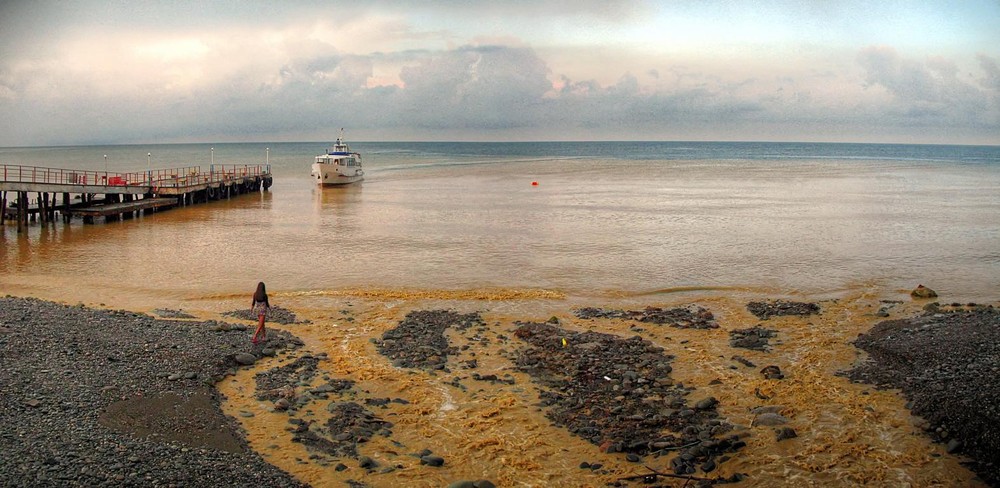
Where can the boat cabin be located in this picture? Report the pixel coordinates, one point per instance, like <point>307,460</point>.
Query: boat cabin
<point>340,160</point>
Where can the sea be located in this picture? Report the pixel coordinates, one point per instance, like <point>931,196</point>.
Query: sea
<point>591,220</point>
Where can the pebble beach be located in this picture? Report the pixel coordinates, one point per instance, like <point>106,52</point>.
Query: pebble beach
<point>115,398</point>
<point>594,396</point>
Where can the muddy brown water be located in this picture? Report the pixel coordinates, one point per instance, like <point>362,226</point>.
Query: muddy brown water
<point>848,434</point>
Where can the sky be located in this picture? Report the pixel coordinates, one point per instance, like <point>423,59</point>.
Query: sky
<point>116,72</point>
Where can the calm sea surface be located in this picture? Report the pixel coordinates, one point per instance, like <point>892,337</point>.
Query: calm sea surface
<point>605,219</point>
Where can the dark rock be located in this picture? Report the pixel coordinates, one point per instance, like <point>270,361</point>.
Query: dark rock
<point>769,418</point>
<point>772,373</point>
<point>755,338</point>
<point>245,359</point>
<point>432,460</point>
<point>706,404</point>
<point>785,433</point>
<point>953,446</point>
<point>922,291</point>
<point>767,409</point>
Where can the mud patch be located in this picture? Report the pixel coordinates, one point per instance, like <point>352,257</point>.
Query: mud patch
<point>193,420</point>
<point>419,341</point>
<point>690,317</point>
<point>172,314</point>
<point>766,310</point>
<point>276,315</point>
<point>279,384</point>
<point>617,393</point>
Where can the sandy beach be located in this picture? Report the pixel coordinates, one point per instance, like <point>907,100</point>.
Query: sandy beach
<point>460,390</point>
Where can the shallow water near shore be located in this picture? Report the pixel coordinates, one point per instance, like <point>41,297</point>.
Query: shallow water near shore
<point>616,225</point>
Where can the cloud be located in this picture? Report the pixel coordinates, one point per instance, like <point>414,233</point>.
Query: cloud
<point>991,70</point>
<point>928,92</point>
<point>474,87</point>
<point>396,69</point>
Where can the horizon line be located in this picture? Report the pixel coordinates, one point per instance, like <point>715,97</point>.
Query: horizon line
<point>581,141</point>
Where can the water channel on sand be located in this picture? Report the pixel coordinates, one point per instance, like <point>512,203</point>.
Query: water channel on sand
<point>848,434</point>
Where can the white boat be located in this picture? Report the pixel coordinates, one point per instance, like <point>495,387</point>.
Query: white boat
<point>339,166</point>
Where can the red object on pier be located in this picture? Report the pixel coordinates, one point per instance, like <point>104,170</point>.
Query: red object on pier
<point>534,183</point>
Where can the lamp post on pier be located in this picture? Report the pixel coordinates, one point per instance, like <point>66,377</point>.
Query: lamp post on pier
<point>105,165</point>
<point>267,155</point>
<point>149,176</point>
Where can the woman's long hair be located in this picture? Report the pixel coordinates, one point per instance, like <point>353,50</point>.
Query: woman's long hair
<point>261,294</point>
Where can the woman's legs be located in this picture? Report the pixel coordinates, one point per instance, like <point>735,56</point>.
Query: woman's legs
<point>260,333</point>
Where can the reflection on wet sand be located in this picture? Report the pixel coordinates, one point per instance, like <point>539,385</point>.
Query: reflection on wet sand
<point>847,434</point>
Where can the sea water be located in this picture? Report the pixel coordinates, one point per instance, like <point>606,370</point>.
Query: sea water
<point>586,219</point>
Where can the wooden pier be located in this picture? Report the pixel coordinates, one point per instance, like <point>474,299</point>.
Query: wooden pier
<point>122,195</point>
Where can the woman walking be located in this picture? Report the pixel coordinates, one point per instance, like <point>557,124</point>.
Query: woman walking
<point>260,307</point>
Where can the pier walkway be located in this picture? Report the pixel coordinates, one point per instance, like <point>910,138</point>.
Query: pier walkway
<point>121,194</point>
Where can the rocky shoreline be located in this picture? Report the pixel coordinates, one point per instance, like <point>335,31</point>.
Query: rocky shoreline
<point>947,364</point>
<point>115,398</point>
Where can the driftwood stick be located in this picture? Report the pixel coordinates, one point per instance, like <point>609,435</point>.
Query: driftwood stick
<point>665,475</point>
<point>674,448</point>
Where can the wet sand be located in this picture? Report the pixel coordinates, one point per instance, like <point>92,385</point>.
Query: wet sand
<point>489,422</point>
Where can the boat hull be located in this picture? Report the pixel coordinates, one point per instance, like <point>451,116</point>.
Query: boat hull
<point>328,175</point>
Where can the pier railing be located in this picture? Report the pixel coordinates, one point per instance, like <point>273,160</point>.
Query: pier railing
<point>62,176</point>
<point>169,177</point>
<point>195,175</point>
